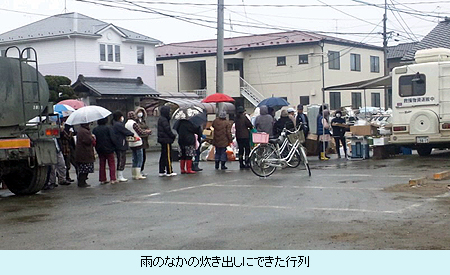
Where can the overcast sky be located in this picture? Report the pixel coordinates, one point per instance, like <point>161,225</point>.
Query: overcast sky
<point>172,22</point>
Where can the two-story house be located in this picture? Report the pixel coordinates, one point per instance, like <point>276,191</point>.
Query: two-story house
<point>73,44</point>
<point>295,65</point>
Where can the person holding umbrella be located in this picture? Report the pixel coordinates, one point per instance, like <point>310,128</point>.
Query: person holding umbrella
<point>84,149</point>
<point>187,144</point>
<point>136,145</point>
<point>264,122</point>
<point>222,138</point>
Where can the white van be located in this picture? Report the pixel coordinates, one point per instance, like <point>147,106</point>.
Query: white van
<point>421,102</point>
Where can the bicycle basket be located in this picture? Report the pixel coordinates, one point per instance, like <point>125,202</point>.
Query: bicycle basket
<point>260,137</point>
<point>299,135</point>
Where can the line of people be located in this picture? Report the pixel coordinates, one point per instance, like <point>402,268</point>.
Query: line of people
<point>76,148</point>
<point>111,142</point>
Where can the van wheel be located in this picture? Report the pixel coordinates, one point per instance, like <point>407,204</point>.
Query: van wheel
<point>424,150</point>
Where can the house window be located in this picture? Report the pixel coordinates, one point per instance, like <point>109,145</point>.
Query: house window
<point>117,53</point>
<point>376,100</point>
<point>374,64</point>
<point>303,59</point>
<point>412,85</point>
<point>335,100</point>
<point>355,62</point>
<point>304,100</point>
<point>102,52</point>
<point>140,55</point>
<point>356,100</point>
<point>281,61</point>
<point>233,67</point>
<point>334,60</point>
<point>110,53</point>
<point>159,69</point>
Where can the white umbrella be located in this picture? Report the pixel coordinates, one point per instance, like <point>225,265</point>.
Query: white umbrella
<point>87,114</point>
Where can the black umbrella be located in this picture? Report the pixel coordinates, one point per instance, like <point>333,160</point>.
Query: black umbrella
<point>199,120</point>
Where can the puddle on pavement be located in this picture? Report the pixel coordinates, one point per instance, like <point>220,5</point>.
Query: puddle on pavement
<point>349,181</point>
<point>30,218</point>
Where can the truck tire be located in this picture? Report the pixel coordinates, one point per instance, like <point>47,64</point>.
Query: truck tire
<point>424,150</point>
<point>26,180</point>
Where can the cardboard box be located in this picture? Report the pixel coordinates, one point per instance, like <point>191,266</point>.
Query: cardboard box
<point>312,137</point>
<point>363,130</point>
<point>209,134</point>
<point>311,147</point>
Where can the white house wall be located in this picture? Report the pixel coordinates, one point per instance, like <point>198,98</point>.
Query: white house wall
<point>345,75</point>
<point>292,80</point>
<point>57,57</point>
<point>168,82</point>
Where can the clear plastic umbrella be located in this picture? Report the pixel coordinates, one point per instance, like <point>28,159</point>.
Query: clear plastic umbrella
<point>87,114</point>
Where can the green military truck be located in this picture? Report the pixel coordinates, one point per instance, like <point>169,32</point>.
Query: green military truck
<point>27,123</point>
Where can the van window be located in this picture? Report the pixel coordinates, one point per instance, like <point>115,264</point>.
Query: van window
<point>412,85</point>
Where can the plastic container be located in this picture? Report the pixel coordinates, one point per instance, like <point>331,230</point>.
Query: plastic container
<point>406,151</point>
<point>260,138</point>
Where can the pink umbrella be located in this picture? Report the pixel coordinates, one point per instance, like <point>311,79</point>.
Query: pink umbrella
<point>76,104</point>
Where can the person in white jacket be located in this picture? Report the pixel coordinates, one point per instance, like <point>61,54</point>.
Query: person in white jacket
<point>136,145</point>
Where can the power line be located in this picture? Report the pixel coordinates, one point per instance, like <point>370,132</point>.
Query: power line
<point>278,5</point>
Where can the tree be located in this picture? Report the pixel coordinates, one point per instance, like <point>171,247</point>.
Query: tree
<point>59,87</point>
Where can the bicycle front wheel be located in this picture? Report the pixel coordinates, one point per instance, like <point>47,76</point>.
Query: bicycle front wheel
<point>305,159</point>
<point>258,158</point>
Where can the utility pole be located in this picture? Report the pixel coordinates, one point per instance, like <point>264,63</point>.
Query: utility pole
<point>220,52</point>
<point>385,42</point>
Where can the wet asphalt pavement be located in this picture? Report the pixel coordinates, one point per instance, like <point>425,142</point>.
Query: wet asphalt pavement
<point>345,204</point>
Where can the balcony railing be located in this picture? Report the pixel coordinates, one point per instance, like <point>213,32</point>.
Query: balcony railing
<point>199,92</point>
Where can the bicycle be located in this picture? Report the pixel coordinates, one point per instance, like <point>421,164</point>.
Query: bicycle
<point>266,157</point>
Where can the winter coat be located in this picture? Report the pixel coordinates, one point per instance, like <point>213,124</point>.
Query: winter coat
<point>320,126</point>
<point>165,134</point>
<point>132,126</point>
<point>283,122</point>
<point>337,130</point>
<point>242,126</point>
<point>222,133</point>
<point>142,123</point>
<point>186,132</point>
<point>264,122</point>
<point>305,124</point>
<point>104,139</point>
<point>84,150</point>
<point>120,133</point>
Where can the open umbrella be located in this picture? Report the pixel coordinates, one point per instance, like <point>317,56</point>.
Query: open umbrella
<point>186,112</point>
<point>63,110</point>
<point>76,104</point>
<point>217,97</point>
<point>194,114</point>
<point>274,102</point>
<point>87,114</point>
